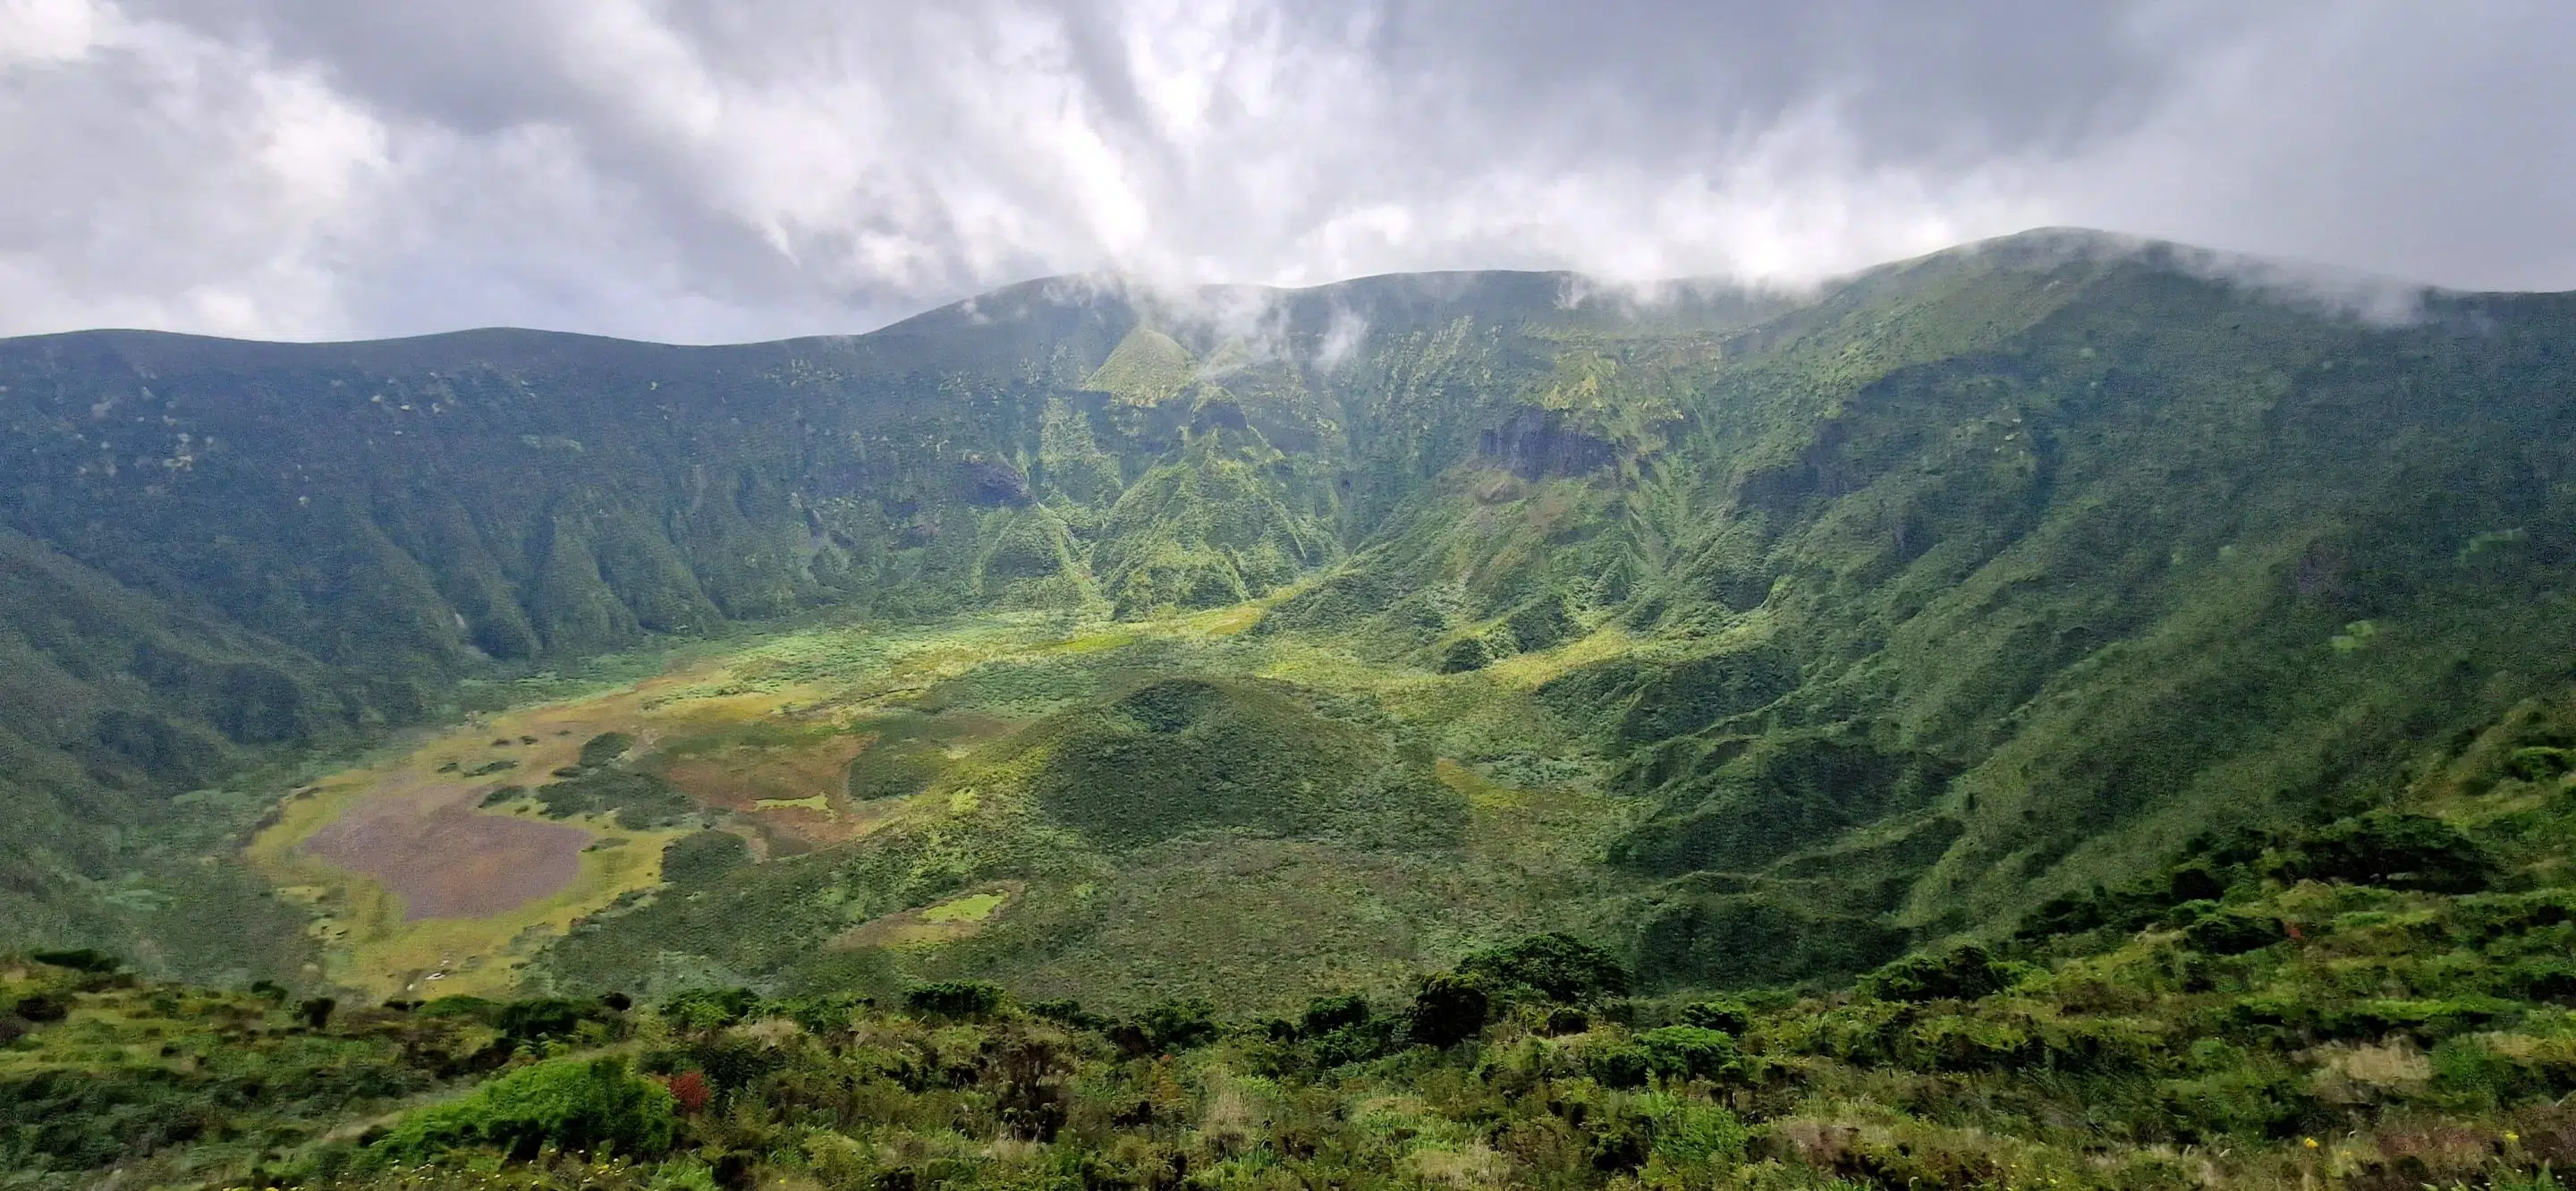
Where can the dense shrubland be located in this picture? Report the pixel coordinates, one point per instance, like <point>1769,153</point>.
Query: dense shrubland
<point>2386,1000</point>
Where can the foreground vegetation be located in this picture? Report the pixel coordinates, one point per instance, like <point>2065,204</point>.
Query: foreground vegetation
<point>2382,1001</point>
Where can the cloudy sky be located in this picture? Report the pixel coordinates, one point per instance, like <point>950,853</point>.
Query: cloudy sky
<point>704,170</point>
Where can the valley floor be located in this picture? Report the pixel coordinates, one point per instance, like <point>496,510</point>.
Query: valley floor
<point>898,785</point>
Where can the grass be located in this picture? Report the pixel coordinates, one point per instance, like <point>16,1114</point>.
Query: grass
<point>974,907</point>
<point>973,709</point>
<point>370,944</point>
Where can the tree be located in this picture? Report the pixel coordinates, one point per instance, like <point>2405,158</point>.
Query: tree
<point>2391,848</point>
<point>1962,973</point>
<point>576,1104</point>
<point>1557,966</point>
<point>1450,1009</point>
<point>954,998</point>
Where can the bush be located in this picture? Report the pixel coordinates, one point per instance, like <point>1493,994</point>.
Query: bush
<point>1357,1042</point>
<point>581,1105</point>
<point>2226,932</point>
<point>1963,974</point>
<point>1729,1016</point>
<point>545,1019</point>
<point>1623,1065</point>
<point>2390,848</point>
<point>1557,966</point>
<point>1449,1009</point>
<point>1168,1027</point>
<point>1689,1052</point>
<point>1690,1134</point>
<point>605,749</point>
<point>476,1008</point>
<point>710,1008</point>
<point>2540,764</point>
<point>1069,1012</point>
<point>43,1007</point>
<point>954,998</point>
<point>79,959</point>
<point>1326,1014</point>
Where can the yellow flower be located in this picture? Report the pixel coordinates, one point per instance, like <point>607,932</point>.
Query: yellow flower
<point>2310,1142</point>
<point>2512,1138</point>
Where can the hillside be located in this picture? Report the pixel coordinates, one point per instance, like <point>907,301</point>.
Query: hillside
<point>2379,1002</point>
<point>1756,639</point>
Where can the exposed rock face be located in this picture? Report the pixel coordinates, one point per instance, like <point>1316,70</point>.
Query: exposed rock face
<point>994,482</point>
<point>1535,443</point>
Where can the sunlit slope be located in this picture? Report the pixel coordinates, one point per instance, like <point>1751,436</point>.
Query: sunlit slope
<point>1166,808</point>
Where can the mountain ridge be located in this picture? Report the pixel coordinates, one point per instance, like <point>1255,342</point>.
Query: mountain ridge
<point>1952,586</point>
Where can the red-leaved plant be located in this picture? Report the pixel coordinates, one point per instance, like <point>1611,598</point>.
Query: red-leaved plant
<point>689,1088</point>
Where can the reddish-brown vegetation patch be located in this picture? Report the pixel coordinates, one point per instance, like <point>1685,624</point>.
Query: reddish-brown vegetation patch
<point>444,859</point>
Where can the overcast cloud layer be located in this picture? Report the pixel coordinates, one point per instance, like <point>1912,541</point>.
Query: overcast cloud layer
<point>702,170</point>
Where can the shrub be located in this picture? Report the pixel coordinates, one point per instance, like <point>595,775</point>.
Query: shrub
<point>43,1007</point>
<point>1171,1026</point>
<point>1730,1016</point>
<point>1357,1042</point>
<point>1622,1065</point>
<point>2540,764</point>
<point>822,1013</point>
<point>954,998</point>
<point>689,1091</point>
<point>1557,966</point>
<point>545,1019</point>
<point>1067,1011</point>
<point>1467,653</point>
<point>710,1008</point>
<point>1325,1014</point>
<point>1688,1133</point>
<point>605,749</point>
<point>1688,1052</point>
<point>583,1105</point>
<point>2391,848</point>
<point>460,1006</point>
<point>78,959</point>
<point>1963,973</point>
<point>2226,932</point>
<point>1449,1009</point>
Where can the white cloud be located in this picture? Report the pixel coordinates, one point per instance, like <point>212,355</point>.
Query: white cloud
<point>690,170</point>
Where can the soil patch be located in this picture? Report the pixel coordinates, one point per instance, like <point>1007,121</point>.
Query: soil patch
<point>444,859</point>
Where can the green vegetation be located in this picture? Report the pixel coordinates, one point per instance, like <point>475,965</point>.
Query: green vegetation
<point>2358,1029</point>
<point>1183,754</point>
<point>2031,716</point>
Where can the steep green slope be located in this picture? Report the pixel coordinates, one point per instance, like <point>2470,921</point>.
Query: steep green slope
<point>1895,611</point>
<point>1996,573</point>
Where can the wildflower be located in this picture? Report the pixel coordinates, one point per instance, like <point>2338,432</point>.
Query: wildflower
<point>2309,1142</point>
<point>2512,1138</point>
